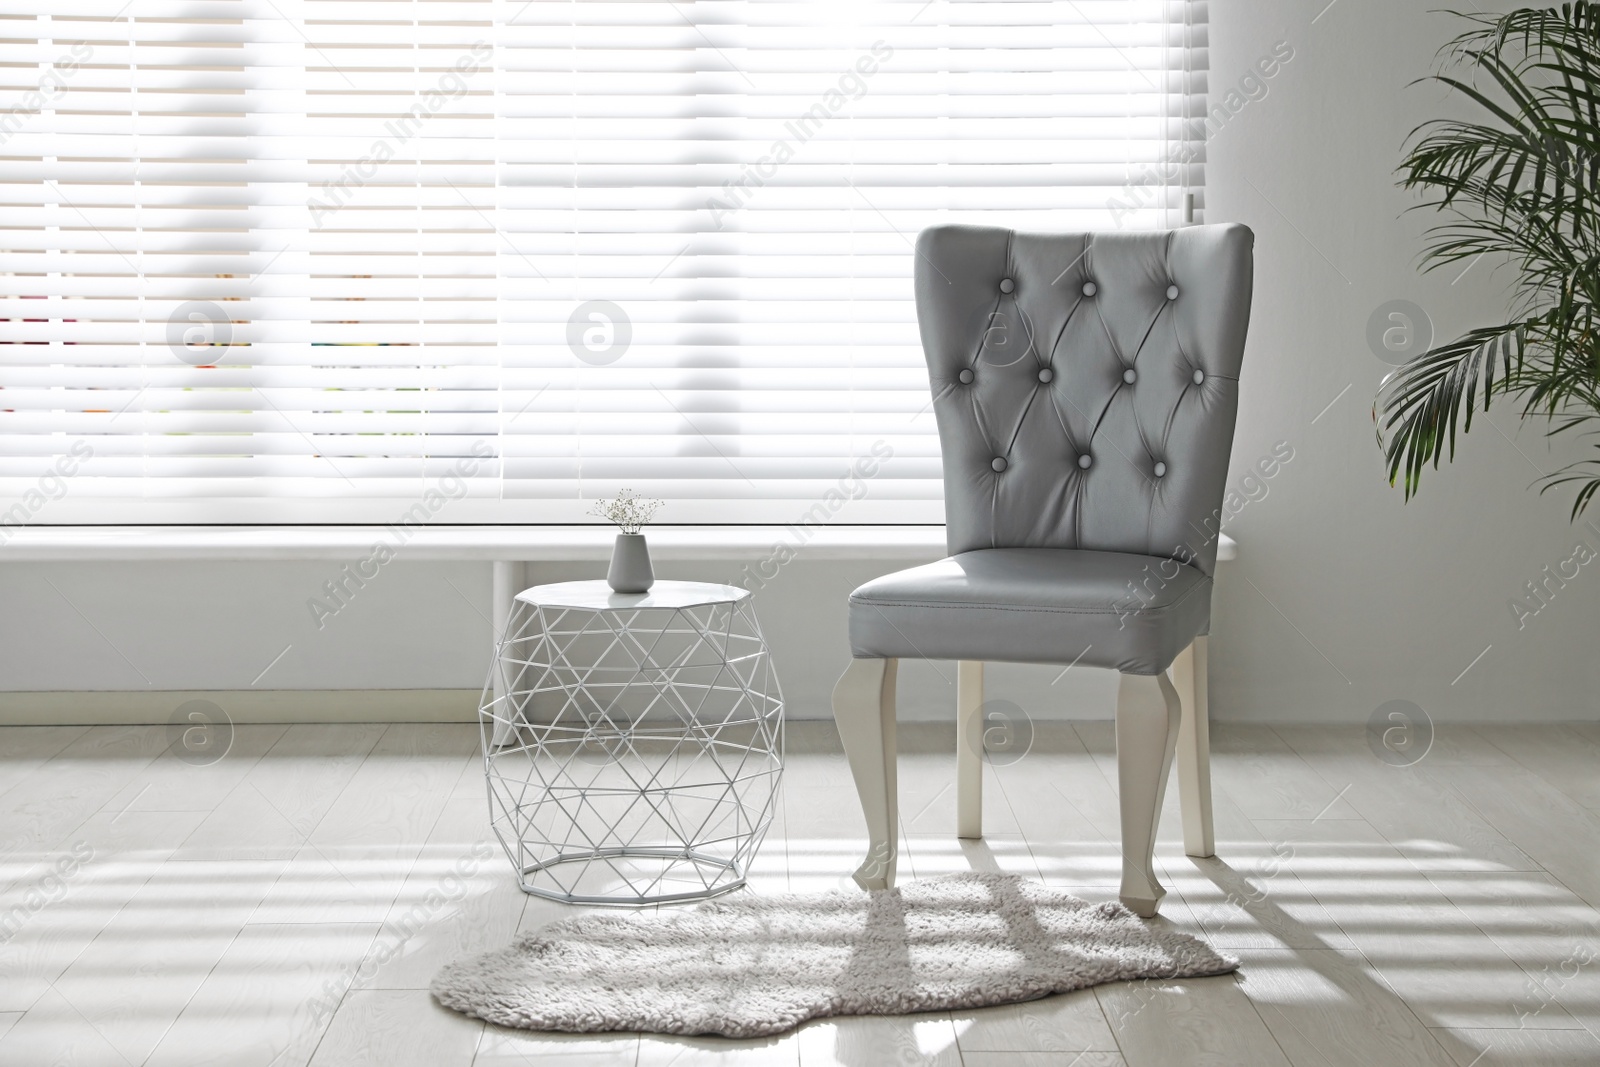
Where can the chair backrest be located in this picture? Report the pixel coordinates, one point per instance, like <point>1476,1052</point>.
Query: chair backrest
<point>1085,384</point>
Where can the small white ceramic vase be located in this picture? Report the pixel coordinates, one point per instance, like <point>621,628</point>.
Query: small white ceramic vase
<point>630,565</point>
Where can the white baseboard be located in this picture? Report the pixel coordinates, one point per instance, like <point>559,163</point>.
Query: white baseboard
<point>241,705</point>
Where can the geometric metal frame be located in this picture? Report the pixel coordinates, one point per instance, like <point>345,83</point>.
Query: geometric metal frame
<point>633,744</point>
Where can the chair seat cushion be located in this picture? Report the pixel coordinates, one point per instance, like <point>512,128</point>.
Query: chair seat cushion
<point>1132,613</point>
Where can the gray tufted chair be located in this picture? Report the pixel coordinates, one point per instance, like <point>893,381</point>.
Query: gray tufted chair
<point>1085,387</point>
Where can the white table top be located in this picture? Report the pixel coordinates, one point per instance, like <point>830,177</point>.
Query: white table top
<point>598,596</point>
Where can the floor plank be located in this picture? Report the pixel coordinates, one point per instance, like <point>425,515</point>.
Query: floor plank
<point>1521,1048</point>
<point>46,805</point>
<point>857,1041</point>
<point>354,862</point>
<point>656,1050</point>
<point>28,748</point>
<point>1200,1023</point>
<point>396,1028</point>
<point>1322,1003</point>
<point>1266,779</point>
<point>171,782</point>
<point>1252,894</point>
<point>501,1047</point>
<point>1421,944</point>
<point>1564,756</point>
<point>74,892</point>
<point>1068,1023</point>
<point>1560,834</point>
<point>1552,934</point>
<point>55,1032</point>
<point>1431,823</point>
<point>269,999</point>
<point>287,792</point>
<point>142,969</point>
<point>459,898</point>
<point>1086,1058</point>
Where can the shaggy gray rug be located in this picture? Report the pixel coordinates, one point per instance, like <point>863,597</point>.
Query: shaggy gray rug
<point>750,966</point>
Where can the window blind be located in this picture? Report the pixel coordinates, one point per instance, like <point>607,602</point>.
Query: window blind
<point>312,260</point>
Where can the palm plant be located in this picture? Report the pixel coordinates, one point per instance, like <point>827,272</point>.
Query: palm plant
<point>1521,185</point>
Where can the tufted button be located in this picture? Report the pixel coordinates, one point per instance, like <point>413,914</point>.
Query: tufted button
<point>1130,376</point>
<point>1046,374</point>
<point>965,376</point>
<point>1007,285</point>
<point>1084,461</point>
<point>1089,288</point>
<point>1199,376</point>
<point>1161,470</point>
<point>998,464</point>
<point>1172,292</point>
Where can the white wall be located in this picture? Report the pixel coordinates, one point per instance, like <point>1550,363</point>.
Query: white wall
<point>1399,597</point>
<point>217,626</point>
<point>1344,597</point>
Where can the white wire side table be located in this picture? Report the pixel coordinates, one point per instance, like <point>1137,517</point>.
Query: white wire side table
<point>633,742</point>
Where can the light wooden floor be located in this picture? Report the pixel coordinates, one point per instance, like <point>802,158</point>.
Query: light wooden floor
<point>1443,914</point>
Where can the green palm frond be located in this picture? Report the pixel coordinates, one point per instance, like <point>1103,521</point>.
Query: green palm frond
<point>1521,185</point>
<point>1422,401</point>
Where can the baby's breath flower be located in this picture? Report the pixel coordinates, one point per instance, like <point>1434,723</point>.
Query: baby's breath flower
<point>628,511</point>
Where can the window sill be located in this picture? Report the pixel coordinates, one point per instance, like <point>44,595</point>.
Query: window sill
<point>78,544</point>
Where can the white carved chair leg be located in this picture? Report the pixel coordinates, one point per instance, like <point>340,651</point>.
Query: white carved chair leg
<point>1147,731</point>
<point>1194,750</point>
<point>507,584</point>
<point>863,708</point>
<point>969,748</point>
